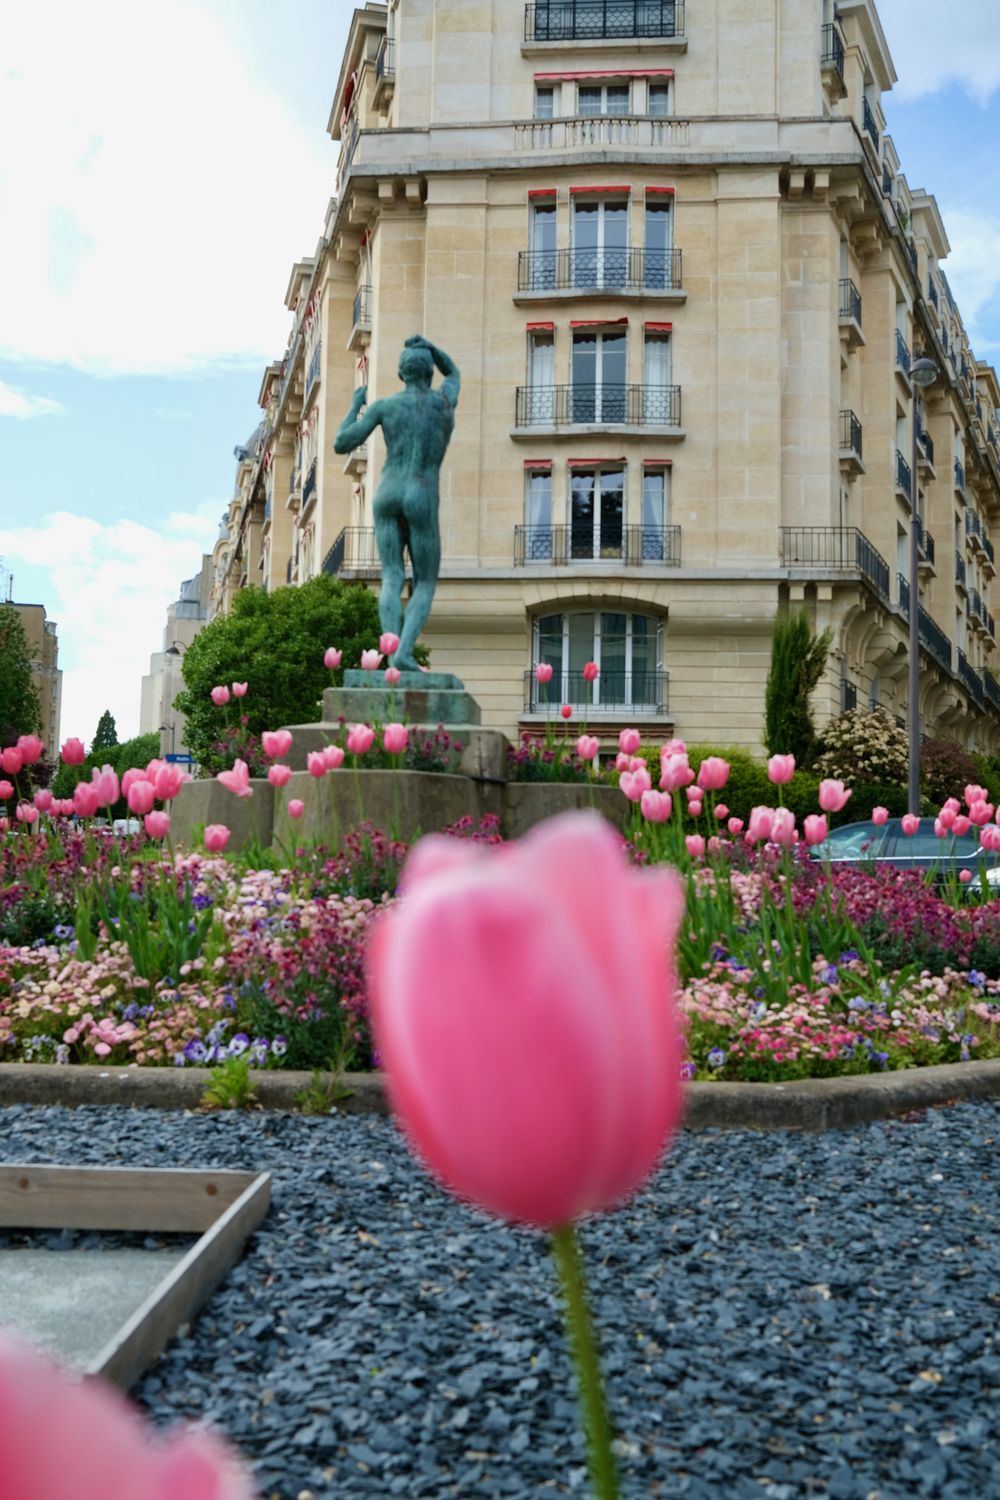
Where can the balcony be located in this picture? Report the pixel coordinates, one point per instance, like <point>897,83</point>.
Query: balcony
<point>835,549</point>
<point>989,555</point>
<point>314,369</point>
<point>568,274</point>
<point>902,358</point>
<point>587,132</point>
<point>629,546</point>
<point>973,529</point>
<point>959,477</point>
<point>870,127</point>
<point>903,594</point>
<point>970,679</point>
<point>992,688</point>
<point>904,478</point>
<point>960,572</point>
<point>925,449</point>
<point>850,313</point>
<point>552,408</point>
<point>294,490</point>
<point>354,554</point>
<point>309,488</point>
<point>361,319</point>
<point>831,60</point>
<point>385,72</point>
<point>933,293</point>
<point>934,640</point>
<point>602,20</point>
<point>850,443</point>
<point>925,548</point>
<point>613,692</point>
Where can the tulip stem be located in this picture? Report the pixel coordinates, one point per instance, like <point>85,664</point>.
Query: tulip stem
<point>584,1346</point>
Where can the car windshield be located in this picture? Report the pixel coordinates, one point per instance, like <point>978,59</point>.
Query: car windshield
<point>856,841</point>
<point>925,844</point>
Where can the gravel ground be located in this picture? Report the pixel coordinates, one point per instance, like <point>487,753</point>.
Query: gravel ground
<point>780,1315</point>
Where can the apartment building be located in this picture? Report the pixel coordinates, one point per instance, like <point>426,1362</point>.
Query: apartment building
<point>43,642</point>
<point>164,680</point>
<point>673,252</point>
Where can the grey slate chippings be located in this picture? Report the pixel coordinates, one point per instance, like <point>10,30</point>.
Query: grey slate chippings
<point>781,1315</point>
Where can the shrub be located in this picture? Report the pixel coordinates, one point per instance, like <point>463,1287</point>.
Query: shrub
<point>864,745</point>
<point>946,769</point>
<point>797,662</point>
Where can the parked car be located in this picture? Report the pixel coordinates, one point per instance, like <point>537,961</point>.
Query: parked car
<point>869,843</point>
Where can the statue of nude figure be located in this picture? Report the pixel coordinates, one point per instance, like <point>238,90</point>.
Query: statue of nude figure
<point>417,424</point>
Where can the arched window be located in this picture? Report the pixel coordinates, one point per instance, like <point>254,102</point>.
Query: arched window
<point>628,649</point>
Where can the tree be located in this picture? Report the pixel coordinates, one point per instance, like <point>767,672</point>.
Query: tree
<point>275,643</point>
<point>106,734</point>
<point>20,706</point>
<point>798,659</point>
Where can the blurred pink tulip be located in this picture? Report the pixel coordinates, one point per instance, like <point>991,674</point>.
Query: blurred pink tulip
<point>25,813</point>
<point>73,753</point>
<point>388,643</point>
<point>360,738</point>
<point>105,781</point>
<point>656,807</point>
<point>961,826</point>
<point>167,782</point>
<point>880,815</point>
<point>760,824</point>
<point>371,660</point>
<point>591,671</point>
<point>954,804</point>
<point>675,773</point>
<point>31,748</point>
<point>910,824</point>
<point>543,672</point>
<point>634,783</point>
<point>693,793</point>
<point>713,773</point>
<point>11,760</point>
<point>695,845</point>
<point>219,696</point>
<point>332,658</point>
<point>140,797</point>
<point>781,768</point>
<point>130,776</point>
<point>392,676</point>
<point>815,829</point>
<point>316,764</point>
<point>4,828</point>
<point>965,876</point>
<point>940,831</point>
<point>721,811</point>
<point>980,813</point>
<point>395,738</point>
<point>6,790</point>
<point>638,763</point>
<point>972,793</point>
<point>946,817</point>
<point>735,826</point>
<point>86,799</point>
<point>629,741</point>
<point>462,969</point>
<point>566,711</point>
<point>217,836</point>
<point>279,775</point>
<point>673,747</point>
<point>694,808</point>
<point>334,757</point>
<point>588,747</point>
<point>296,808</point>
<point>833,796</point>
<point>276,743</point>
<point>240,689</point>
<point>157,824</point>
<point>237,780</point>
<point>989,837</point>
<point>623,762</point>
<point>783,829</point>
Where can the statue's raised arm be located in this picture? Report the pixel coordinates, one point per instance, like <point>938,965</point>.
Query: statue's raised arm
<point>452,383</point>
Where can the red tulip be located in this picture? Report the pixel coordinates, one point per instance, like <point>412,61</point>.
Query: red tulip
<point>6,790</point>
<point>296,808</point>
<point>880,815</point>
<point>980,813</point>
<point>591,672</point>
<point>961,826</point>
<point>566,711</point>
<point>965,876</point>
<point>721,811</point>
<point>73,753</point>
<point>543,672</point>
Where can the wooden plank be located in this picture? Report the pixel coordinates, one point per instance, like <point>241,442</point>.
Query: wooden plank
<point>175,1301</point>
<point>168,1199</point>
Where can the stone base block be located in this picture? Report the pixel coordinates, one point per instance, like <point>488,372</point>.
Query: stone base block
<point>203,802</point>
<point>484,756</point>
<point>404,804</point>
<point>416,699</point>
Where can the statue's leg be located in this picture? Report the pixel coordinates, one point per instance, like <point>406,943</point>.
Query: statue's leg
<point>425,554</point>
<point>389,538</point>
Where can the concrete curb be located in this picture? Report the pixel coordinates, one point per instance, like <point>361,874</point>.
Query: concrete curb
<point>815,1104</point>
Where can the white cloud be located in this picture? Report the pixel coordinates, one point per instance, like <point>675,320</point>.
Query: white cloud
<point>108,587</point>
<point>17,403</point>
<point>157,192</point>
<point>934,45</point>
<point>973,271</point>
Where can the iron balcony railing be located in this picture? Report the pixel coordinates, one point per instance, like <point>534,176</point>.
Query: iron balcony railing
<point>832,49</point>
<point>599,270</point>
<point>835,549</point>
<point>903,593</point>
<point>979,409</point>
<point>850,433</point>
<point>926,443</point>
<point>850,299</point>
<point>904,475</point>
<point>598,405</point>
<point>362,314</point>
<point>959,475</point>
<point>314,366</point>
<point>354,551</point>
<point>610,693</point>
<point>934,640</point>
<point>912,252</point>
<point>970,678</point>
<point>385,59</point>
<point>974,607</point>
<point>973,525</point>
<point>960,570</point>
<point>925,543</point>
<point>848,696</point>
<point>988,547</point>
<point>886,181</point>
<point>991,624</point>
<point>309,488</point>
<point>632,546</point>
<point>902,355</point>
<point>600,20</point>
<point>933,291</point>
<point>992,688</point>
<point>868,120</point>
<point>293,481</point>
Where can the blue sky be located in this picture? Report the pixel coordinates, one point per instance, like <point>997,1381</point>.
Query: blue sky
<point>158,212</point>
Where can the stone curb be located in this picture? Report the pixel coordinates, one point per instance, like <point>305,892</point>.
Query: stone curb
<point>815,1104</point>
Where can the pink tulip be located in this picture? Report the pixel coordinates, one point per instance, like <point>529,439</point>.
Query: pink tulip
<point>695,845</point>
<point>760,824</point>
<point>4,825</point>
<point>279,775</point>
<point>972,793</point>
<point>66,1439</point>
<point>675,773</point>
<point>783,829</point>
<point>637,763</point>
<point>623,762</point>
<point>735,826</point>
<point>371,660</point>
<point>217,836</point>
<point>392,676</point>
<point>167,782</point>
<point>980,813</point>
<point>140,797</point>
<point>11,760</point>
<point>360,738</point>
<point>833,796</point>
<point>880,815</point>
<point>130,776</point>
<point>219,696</point>
<point>395,738</point>
<point>965,876</point>
<point>332,658</point>
<point>694,808</point>
<point>713,773</point>
<point>25,813</point>
<point>954,804</point>
<point>276,743</point>
<point>629,741</point>
<point>6,790</point>
<point>961,826</point>
<point>73,753</point>
<point>240,689</point>
<point>316,764</point>
<point>940,831</point>
<point>588,746</point>
<point>910,824</point>
<point>388,643</point>
<point>157,824</point>
<point>43,800</point>
<point>566,711</point>
<point>296,808</point>
<point>781,768</point>
<point>721,811</point>
<point>591,671</point>
<point>543,672</point>
<point>656,807</point>
<point>31,748</point>
<point>673,747</point>
<point>989,837</point>
<point>631,784</point>
<point>815,829</point>
<point>463,969</point>
<point>334,757</point>
<point>237,780</point>
<point>105,781</point>
<point>946,817</point>
<point>86,799</point>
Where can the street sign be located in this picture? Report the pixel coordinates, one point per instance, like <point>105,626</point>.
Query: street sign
<point>180,760</point>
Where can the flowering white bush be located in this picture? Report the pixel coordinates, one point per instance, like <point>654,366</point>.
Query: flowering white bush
<point>863,745</point>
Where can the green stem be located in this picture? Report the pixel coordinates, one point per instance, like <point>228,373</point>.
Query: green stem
<point>584,1346</point>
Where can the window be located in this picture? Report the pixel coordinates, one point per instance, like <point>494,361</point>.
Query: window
<point>655,542</point>
<point>658,263</point>
<point>599,373</point>
<point>594,100</point>
<point>541,392</point>
<point>600,242</point>
<point>626,648</point>
<point>542,264</point>
<point>538,514</point>
<point>597,514</point>
<point>545,102</point>
<point>657,406</point>
<point>658,106</point>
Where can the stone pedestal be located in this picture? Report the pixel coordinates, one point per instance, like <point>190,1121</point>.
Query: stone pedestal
<point>425,698</point>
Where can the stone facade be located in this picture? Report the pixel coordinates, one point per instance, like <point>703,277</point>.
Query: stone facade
<point>164,680</point>
<point>43,643</point>
<point>673,254</point>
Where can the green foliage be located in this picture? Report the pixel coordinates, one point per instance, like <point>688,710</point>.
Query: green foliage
<point>231,1085</point>
<point>161,926</point>
<point>20,709</point>
<point>864,745</point>
<point>275,643</point>
<point>106,734</point>
<point>946,769</point>
<point>326,1088</point>
<point>798,659</point>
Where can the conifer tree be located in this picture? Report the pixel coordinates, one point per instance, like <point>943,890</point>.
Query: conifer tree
<point>798,659</point>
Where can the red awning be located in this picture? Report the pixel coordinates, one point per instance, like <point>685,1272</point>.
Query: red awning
<point>606,73</point>
<point>669,190</point>
<point>538,463</point>
<point>662,327</point>
<point>549,326</point>
<point>590,463</point>
<point>597,322</point>
<point>620,187</point>
<point>543,193</point>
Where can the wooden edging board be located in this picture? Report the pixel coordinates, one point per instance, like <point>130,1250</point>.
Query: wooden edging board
<point>223,1208</point>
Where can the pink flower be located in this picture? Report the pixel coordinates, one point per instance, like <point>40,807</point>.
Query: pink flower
<point>815,829</point>
<point>980,813</point>
<point>360,738</point>
<point>279,775</point>
<point>395,738</point>
<point>316,764</point>
<point>43,800</point>
<point>735,826</point>
<point>217,836</point>
<point>965,876</point>
<point>694,808</point>
<point>133,774</point>
<point>989,837</point>
<point>86,799</point>
<point>31,748</point>
<point>240,689</point>
<point>713,773</point>
<point>334,757</point>
<point>783,829</point>
<point>946,817</point>
<point>73,753</point>
<point>781,768</point>
<point>675,772</point>
<point>276,742</point>
<point>634,783</point>
<point>371,660</point>
<point>332,658</point>
<point>25,813</point>
<point>623,762</point>
<point>629,741</point>
<point>462,970</point>
<point>543,672</point>
<point>693,793</point>
<point>972,792</point>
<point>296,808</point>
<point>656,807</point>
<point>833,796</point>
<point>910,824</point>
<point>566,711</point>
<point>591,672</point>
<point>695,845</point>
<point>6,790</point>
<point>588,746</point>
<point>760,824</point>
<point>388,643</point>
<point>140,797</point>
<point>940,831</point>
<point>721,811</point>
<point>11,760</point>
<point>219,696</point>
<point>961,826</point>
<point>4,825</point>
<point>880,815</point>
<point>157,824</point>
<point>673,747</point>
<point>105,781</point>
<point>237,780</point>
<point>167,782</point>
<point>392,676</point>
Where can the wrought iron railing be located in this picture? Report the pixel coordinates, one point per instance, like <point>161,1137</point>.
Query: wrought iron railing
<point>598,20</point>
<point>969,677</point>
<point>850,300</point>
<point>934,640</point>
<point>350,144</point>
<point>309,488</point>
<point>354,551</point>
<point>850,433</point>
<point>988,548</point>
<point>611,692</point>
<point>974,605</point>
<point>886,181</point>
<point>314,367</point>
<point>868,120</point>
<point>362,314</point>
<point>902,354</point>
<point>925,543</point>
<point>960,570</point>
<point>385,59</point>
<point>911,251</point>
<point>959,475</point>
<point>933,291</point>
<point>832,49</point>
<point>599,270</point>
<point>992,688</point>
<point>598,405</point>
<point>632,546</point>
<point>973,525</point>
<point>926,443</point>
<point>835,549</point>
<point>904,475</point>
<point>903,593</point>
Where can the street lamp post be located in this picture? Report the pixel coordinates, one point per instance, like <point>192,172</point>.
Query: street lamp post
<point>923,373</point>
